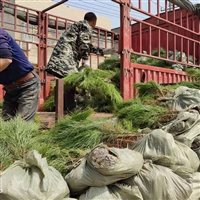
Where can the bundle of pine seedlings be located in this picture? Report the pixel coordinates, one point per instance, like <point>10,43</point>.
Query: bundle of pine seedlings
<point>18,137</point>
<point>146,111</point>
<point>141,116</point>
<point>94,89</point>
<point>112,64</point>
<point>62,145</point>
<point>80,131</point>
<point>76,134</point>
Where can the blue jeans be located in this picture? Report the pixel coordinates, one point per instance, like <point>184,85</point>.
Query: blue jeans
<point>22,100</point>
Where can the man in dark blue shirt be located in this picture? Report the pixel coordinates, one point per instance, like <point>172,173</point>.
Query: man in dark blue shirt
<point>21,84</point>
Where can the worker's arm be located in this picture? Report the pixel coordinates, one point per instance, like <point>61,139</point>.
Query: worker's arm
<point>96,50</point>
<point>5,52</point>
<point>85,46</point>
<point>104,51</point>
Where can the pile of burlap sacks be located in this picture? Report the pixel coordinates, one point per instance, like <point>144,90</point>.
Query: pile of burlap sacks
<point>162,165</point>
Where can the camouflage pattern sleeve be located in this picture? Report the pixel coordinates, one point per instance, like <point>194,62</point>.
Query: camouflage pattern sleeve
<point>85,33</point>
<point>84,43</point>
<point>96,50</point>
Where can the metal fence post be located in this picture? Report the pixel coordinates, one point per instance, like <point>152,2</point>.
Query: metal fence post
<point>125,48</point>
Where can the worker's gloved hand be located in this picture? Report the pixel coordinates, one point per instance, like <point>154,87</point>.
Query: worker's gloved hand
<point>86,63</point>
<point>109,51</point>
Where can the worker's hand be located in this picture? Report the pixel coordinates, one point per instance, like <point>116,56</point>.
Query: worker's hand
<point>109,51</point>
<point>86,63</point>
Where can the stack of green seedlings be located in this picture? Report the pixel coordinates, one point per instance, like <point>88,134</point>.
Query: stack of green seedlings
<point>62,145</point>
<point>77,133</point>
<point>72,136</point>
<point>94,89</point>
<point>99,89</point>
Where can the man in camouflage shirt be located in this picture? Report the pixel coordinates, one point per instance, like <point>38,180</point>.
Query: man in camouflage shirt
<point>74,45</point>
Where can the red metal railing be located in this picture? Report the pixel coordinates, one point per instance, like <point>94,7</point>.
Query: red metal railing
<point>172,30</point>
<point>37,33</point>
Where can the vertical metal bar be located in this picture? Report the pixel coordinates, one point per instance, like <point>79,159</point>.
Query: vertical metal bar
<point>56,27</point>
<point>193,23</point>
<point>27,21</point>
<point>15,17</point>
<point>125,46</point>
<point>167,45</point>
<point>45,49</point>
<point>158,42</point>
<point>181,49</point>
<point>39,53</point>
<point>59,99</point>
<point>158,8</point>
<point>187,20</point>
<point>194,52</point>
<point>27,31</point>
<point>39,36</point>
<point>188,50</point>
<point>149,6</point>
<point>42,51</point>
<point>150,40</point>
<point>181,17</point>
<point>2,14</point>
<point>174,14</point>
<point>166,11</point>
<point>174,36</point>
<point>113,39</point>
<point>134,81</point>
<point>140,36</point>
<point>139,4</point>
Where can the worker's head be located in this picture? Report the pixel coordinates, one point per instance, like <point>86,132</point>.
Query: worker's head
<point>91,18</point>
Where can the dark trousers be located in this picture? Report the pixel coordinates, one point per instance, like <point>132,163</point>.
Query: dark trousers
<point>22,100</point>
